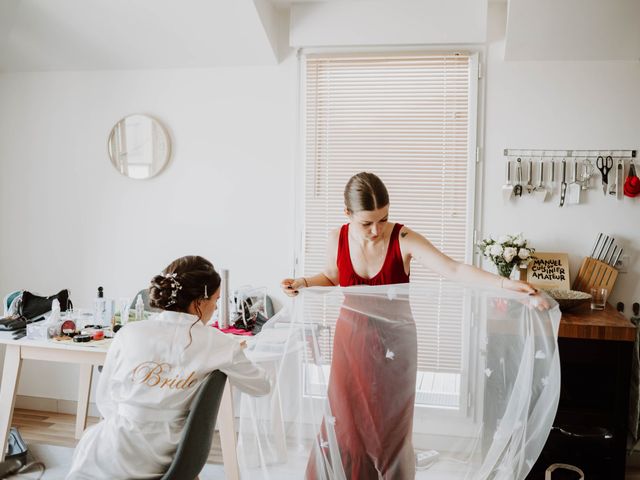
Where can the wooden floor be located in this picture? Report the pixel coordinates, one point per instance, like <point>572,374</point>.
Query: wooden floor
<point>58,429</point>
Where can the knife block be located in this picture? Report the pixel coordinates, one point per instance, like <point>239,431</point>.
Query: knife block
<point>595,274</point>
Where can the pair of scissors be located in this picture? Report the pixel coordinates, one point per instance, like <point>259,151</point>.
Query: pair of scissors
<point>604,165</point>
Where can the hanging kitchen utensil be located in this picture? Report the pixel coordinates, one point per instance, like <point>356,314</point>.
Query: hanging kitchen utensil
<point>632,183</point>
<point>604,165</point>
<point>507,188</point>
<point>563,185</point>
<point>574,187</point>
<point>616,181</point>
<point>540,192</point>
<point>620,179</point>
<point>530,187</point>
<point>552,183</point>
<point>587,173</point>
<point>517,188</point>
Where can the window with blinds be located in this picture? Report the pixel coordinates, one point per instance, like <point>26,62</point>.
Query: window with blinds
<point>406,118</point>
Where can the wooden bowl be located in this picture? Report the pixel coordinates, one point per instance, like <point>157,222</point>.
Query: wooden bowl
<point>569,299</point>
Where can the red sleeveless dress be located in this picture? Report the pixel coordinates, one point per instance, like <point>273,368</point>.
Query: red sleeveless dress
<point>392,270</point>
<point>373,376</point>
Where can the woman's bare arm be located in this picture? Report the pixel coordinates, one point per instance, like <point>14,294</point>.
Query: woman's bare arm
<point>327,278</point>
<point>423,251</point>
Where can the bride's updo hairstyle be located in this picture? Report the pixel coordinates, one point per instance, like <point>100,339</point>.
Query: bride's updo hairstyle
<point>183,281</point>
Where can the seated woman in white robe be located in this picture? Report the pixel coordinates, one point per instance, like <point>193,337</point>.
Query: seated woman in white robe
<point>152,372</point>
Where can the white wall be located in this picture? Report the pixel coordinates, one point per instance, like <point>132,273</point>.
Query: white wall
<point>558,105</point>
<point>573,30</point>
<point>71,220</point>
<point>404,22</point>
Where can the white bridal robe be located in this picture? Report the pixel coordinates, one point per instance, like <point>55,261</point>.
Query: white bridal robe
<point>150,377</point>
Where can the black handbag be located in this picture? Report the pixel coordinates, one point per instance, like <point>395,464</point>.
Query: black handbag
<point>32,309</point>
<point>35,305</point>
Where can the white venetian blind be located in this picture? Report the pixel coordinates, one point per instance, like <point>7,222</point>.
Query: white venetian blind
<point>404,117</point>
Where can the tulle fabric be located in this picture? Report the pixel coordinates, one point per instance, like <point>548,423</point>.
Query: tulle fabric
<point>386,382</point>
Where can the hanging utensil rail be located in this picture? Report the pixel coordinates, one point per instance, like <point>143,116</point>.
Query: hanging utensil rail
<point>537,153</point>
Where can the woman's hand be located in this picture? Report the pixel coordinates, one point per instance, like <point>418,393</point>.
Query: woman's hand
<point>290,286</point>
<point>519,286</point>
<point>537,300</point>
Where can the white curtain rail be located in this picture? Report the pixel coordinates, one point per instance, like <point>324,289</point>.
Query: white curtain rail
<point>537,153</point>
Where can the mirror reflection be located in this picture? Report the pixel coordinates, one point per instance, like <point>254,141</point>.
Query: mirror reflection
<point>139,146</point>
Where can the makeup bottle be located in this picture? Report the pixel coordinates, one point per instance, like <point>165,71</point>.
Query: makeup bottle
<point>99,308</point>
<point>124,310</point>
<point>139,308</point>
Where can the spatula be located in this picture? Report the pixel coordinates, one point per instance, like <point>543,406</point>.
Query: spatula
<point>540,191</point>
<point>574,187</point>
<point>530,186</point>
<point>507,188</point>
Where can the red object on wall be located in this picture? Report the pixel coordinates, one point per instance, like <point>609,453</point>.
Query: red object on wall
<point>632,183</point>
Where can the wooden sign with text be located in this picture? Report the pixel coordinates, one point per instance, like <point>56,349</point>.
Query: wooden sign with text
<point>549,271</point>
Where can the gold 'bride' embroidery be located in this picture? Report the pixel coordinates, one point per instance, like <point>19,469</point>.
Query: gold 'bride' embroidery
<point>151,374</point>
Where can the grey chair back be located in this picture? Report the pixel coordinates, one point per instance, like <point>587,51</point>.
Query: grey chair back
<point>195,444</point>
<point>145,299</point>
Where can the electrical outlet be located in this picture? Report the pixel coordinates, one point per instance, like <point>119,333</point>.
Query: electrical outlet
<point>623,264</point>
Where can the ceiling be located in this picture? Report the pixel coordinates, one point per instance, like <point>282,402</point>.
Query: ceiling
<point>50,35</point>
<point>131,34</point>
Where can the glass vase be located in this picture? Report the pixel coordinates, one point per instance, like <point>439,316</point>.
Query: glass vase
<point>505,270</point>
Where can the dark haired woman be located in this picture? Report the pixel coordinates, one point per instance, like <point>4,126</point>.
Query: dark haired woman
<point>152,372</point>
<point>373,371</point>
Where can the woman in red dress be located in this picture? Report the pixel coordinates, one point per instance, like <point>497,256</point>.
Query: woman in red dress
<point>373,371</point>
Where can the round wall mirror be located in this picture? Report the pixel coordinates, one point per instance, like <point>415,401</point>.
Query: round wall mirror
<point>139,146</point>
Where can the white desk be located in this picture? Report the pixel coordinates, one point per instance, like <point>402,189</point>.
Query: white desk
<point>87,356</point>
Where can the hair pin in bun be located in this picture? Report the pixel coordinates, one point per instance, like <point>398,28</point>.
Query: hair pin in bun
<point>175,286</point>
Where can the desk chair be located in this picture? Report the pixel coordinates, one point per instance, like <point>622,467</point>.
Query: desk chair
<point>195,444</point>
<point>9,300</point>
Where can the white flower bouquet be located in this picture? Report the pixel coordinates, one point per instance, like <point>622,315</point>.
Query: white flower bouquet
<point>506,252</point>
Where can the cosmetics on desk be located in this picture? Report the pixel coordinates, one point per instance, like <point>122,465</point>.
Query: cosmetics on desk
<point>68,327</point>
<point>103,309</point>
<point>123,313</point>
<point>99,307</point>
<point>47,328</point>
<point>139,309</point>
<point>102,322</point>
<point>87,334</point>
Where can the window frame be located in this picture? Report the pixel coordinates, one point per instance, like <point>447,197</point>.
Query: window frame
<point>468,406</point>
